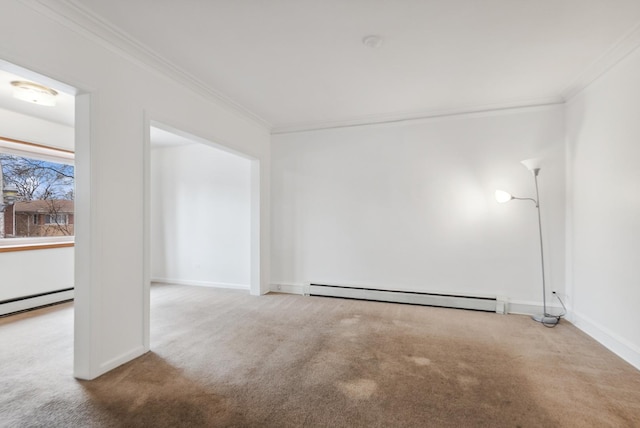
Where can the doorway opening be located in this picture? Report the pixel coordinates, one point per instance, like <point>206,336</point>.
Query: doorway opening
<point>37,189</point>
<point>202,213</point>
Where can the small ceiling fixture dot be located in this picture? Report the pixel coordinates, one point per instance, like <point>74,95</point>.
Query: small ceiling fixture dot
<point>372,41</point>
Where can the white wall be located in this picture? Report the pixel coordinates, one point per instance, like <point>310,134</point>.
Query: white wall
<point>26,273</point>
<point>603,134</point>
<point>33,130</point>
<point>410,206</point>
<point>122,95</point>
<point>200,216</point>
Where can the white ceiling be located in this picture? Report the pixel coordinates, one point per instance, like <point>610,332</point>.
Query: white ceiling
<point>160,138</point>
<point>302,64</point>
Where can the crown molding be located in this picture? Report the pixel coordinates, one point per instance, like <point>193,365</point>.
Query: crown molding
<point>77,18</point>
<point>616,53</point>
<point>416,116</point>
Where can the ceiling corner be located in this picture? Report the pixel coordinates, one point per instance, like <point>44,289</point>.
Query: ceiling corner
<point>618,52</point>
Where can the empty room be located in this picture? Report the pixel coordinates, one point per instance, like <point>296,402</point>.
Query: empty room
<point>437,213</point>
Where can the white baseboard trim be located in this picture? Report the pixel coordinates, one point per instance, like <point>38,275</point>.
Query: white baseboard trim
<point>616,344</point>
<point>287,288</point>
<point>200,283</point>
<point>35,302</point>
<point>523,307</point>
<point>119,360</point>
<point>518,307</point>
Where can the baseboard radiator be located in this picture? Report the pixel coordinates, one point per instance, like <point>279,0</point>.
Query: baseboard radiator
<point>477,303</point>
<point>34,301</point>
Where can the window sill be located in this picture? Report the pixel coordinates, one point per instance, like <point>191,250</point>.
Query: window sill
<point>35,246</point>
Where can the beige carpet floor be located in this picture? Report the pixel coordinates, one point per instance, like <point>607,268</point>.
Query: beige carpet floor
<point>224,358</point>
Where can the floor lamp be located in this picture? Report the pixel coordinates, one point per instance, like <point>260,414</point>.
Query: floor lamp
<point>533,165</point>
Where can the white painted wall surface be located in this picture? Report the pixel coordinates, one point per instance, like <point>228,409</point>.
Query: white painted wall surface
<point>33,130</point>
<point>200,222</point>
<point>25,273</point>
<point>603,134</point>
<point>111,124</point>
<point>411,206</point>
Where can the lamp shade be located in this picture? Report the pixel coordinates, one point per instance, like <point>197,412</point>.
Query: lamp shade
<point>532,164</point>
<point>502,196</point>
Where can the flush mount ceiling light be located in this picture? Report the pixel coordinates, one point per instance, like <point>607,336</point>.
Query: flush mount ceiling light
<point>34,93</point>
<point>373,41</point>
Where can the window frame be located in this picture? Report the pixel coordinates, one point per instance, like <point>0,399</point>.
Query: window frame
<point>41,152</point>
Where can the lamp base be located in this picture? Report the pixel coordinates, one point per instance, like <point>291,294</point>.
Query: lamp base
<point>546,319</point>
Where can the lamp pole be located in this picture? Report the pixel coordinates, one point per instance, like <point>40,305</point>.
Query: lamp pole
<point>501,196</point>
<point>545,315</point>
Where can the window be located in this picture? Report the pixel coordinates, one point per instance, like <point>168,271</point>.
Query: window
<point>37,184</point>
<point>56,219</point>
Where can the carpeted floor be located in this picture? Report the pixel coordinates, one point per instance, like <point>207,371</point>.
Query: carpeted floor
<point>224,358</point>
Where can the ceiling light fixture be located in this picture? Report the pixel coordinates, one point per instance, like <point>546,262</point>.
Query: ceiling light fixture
<point>34,93</point>
<point>373,41</point>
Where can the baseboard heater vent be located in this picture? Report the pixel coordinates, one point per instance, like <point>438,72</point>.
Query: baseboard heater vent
<point>476,303</point>
<point>34,301</point>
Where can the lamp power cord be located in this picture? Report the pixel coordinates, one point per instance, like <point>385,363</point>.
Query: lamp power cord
<point>557,317</point>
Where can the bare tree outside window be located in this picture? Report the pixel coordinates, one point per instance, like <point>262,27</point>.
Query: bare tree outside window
<point>45,203</point>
